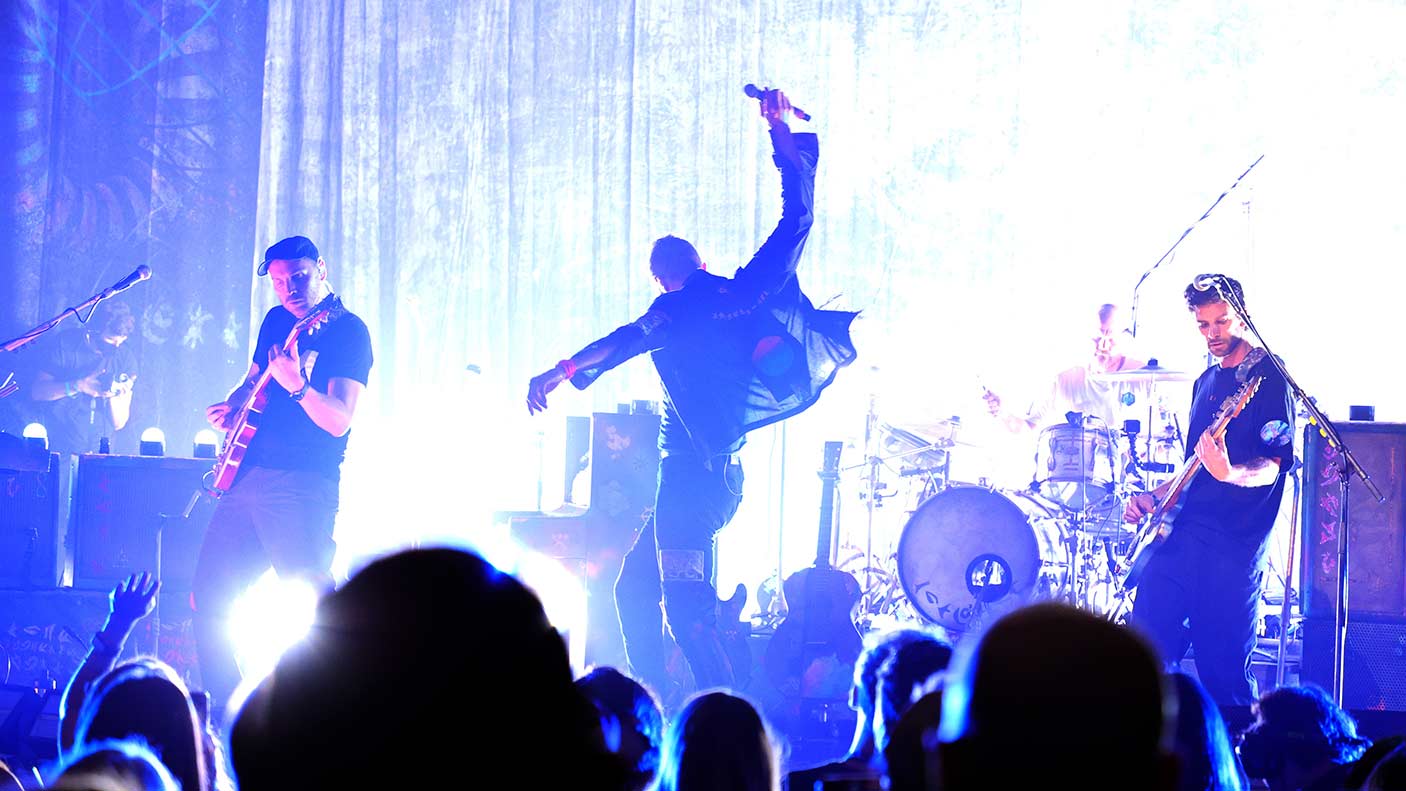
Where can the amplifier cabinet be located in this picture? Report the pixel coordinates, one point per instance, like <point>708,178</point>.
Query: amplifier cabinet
<point>1376,531</point>
<point>119,505</point>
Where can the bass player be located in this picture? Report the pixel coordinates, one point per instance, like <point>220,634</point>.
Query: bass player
<point>1201,586</point>
<point>279,510</point>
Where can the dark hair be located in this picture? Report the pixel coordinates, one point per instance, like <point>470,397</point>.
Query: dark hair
<point>1196,297</point>
<point>633,708</point>
<point>145,698</point>
<point>909,665</point>
<point>1079,681</point>
<point>878,647</point>
<point>115,318</point>
<point>1207,760</point>
<point>411,640</point>
<point>1106,311</point>
<point>1301,724</point>
<point>718,742</point>
<point>113,763</point>
<point>673,258</point>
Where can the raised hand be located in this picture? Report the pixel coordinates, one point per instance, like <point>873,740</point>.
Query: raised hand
<point>133,599</point>
<point>775,107</point>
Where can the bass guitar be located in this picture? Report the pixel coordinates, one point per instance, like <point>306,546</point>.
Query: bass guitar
<point>1157,526</point>
<point>812,653</point>
<point>245,422</point>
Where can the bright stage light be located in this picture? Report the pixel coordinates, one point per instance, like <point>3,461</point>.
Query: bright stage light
<point>153,442</point>
<point>35,435</point>
<point>562,595</point>
<point>207,442</point>
<point>268,618</point>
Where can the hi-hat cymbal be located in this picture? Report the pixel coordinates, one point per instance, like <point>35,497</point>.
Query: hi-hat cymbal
<point>1150,373</point>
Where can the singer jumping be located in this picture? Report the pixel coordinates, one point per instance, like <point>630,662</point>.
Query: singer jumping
<point>281,507</point>
<point>733,355</point>
<point>1201,586</point>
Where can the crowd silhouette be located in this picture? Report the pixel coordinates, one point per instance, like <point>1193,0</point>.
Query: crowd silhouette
<point>430,668</point>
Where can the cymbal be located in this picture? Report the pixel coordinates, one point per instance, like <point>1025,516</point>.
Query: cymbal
<point>938,433</point>
<point>1150,373</point>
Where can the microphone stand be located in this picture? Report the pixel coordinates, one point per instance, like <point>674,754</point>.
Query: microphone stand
<point>1183,236</point>
<point>33,335</point>
<point>1345,463</point>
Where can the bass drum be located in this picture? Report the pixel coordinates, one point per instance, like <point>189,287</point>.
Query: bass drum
<point>969,554</point>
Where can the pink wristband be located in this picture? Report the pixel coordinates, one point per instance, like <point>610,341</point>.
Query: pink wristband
<point>568,367</point>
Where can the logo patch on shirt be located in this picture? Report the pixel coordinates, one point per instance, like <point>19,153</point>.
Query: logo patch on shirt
<point>1275,433</point>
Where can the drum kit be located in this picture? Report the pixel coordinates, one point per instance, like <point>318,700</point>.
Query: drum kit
<point>967,552</point>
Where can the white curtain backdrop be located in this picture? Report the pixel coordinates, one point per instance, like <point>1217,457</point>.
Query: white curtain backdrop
<point>485,179</point>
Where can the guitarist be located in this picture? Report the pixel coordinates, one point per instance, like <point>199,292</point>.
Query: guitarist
<point>1201,586</point>
<point>733,354</point>
<point>280,509</point>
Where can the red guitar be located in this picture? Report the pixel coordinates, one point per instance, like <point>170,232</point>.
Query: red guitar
<point>246,419</point>
<point>813,651</point>
<point>1157,526</point>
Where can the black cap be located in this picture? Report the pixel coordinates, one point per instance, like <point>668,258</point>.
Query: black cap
<point>290,249</point>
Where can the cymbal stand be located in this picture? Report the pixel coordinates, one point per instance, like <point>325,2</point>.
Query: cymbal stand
<point>871,502</point>
<point>1285,605</point>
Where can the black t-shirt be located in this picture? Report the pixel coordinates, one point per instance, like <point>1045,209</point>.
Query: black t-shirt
<point>1264,428</point>
<point>75,423</point>
<point>287,439</point>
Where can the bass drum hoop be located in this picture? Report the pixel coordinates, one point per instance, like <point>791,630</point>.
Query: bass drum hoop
<point>1012,532</point>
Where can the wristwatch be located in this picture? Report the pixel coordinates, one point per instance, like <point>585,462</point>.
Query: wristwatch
<point>302,391</point>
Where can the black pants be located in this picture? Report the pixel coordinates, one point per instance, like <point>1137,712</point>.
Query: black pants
<point>1201,590</point>
<point>278,518</point>
<point>672,564</point>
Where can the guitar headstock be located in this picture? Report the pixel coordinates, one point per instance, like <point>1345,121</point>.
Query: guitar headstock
<point>329,309</point>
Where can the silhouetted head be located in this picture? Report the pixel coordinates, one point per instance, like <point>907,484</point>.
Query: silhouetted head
<point>672,261</point>
<point>878,647</point>
<point>1041,690</point>
<point>1205,758</point>
<point>1298,728</point>
<point>428,667</point>
<point>908,666</point>
<point>113,765</point>
<point>718,742</point>
<point>146,700</point>
<point>1388,774</point>
<point>636,727</point>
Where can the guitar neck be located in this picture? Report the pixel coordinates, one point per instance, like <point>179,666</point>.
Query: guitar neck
<point>828,476</point>
<point>1194,465</point>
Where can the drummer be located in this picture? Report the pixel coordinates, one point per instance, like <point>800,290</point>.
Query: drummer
<point>1081,389</point>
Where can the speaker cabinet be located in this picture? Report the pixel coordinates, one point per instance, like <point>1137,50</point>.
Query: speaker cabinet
<point>29,535</point>
<point>1376,531</point>
<point>120,504</point>
<point>1374,672</point>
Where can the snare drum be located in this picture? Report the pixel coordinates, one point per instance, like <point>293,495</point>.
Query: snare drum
<point>1076,465</point>
<point>970,553</point>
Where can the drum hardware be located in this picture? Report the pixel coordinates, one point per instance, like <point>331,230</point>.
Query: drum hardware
<point>1150,374</point>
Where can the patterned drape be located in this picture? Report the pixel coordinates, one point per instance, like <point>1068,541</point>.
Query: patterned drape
<point>131,135</point>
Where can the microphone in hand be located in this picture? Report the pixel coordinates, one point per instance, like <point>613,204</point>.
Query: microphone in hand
<point>757,93</point>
